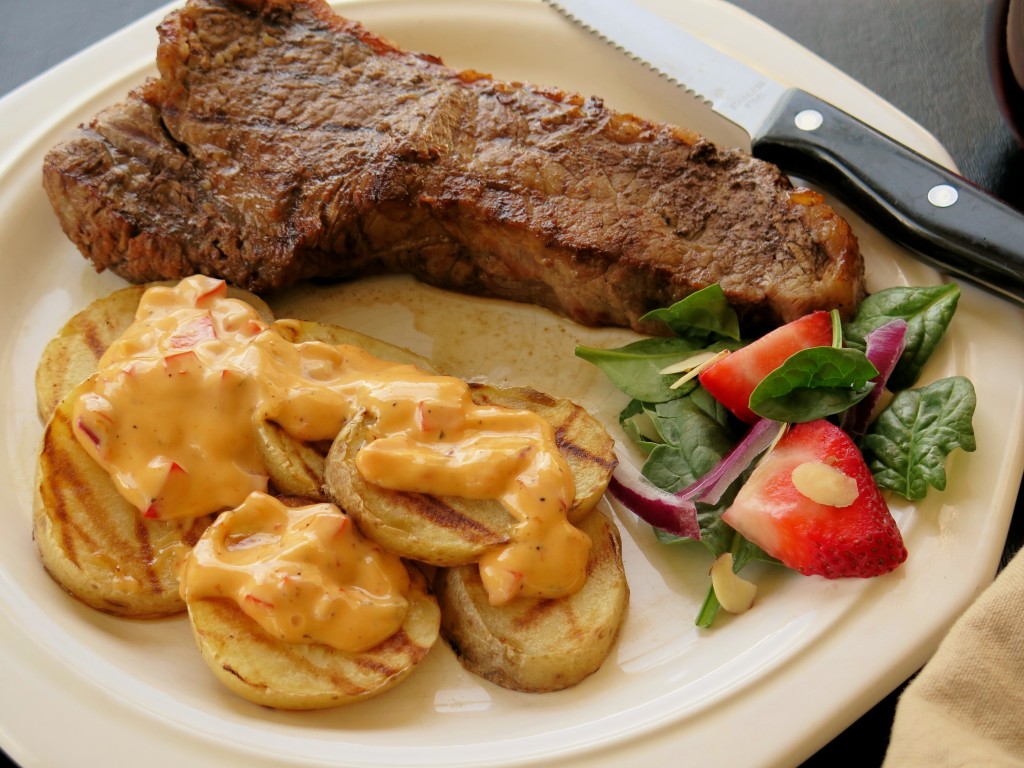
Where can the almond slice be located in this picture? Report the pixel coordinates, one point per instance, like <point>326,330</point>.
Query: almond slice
<point>693,365</point>
<point>825,484</point>
<point>734,594</point>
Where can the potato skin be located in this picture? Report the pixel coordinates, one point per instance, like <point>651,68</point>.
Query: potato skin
<point>535,645</point>
<point>301,676</point>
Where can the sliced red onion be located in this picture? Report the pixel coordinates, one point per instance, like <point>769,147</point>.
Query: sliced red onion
<point>885,344</point>
<point>651,504</point>
<point>677,512</point>
<point>710,487</point>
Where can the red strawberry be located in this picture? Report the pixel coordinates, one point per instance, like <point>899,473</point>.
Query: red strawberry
<point>734,377</point>
<point>817,537</point>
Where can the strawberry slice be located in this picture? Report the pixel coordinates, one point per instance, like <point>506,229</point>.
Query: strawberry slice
<point>731,380</point>
<point>813,504</point>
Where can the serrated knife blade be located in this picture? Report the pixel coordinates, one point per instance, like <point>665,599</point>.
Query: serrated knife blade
<point>940,216</point>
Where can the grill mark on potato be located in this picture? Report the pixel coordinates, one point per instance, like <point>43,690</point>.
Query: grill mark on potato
<point>145,548</point>
<point>67,483</point>
<point>58,514</point>
<point>543,610</point>
<point>232,671</point>
<point>312,473</point>
<point>564,433</point>
<point>298,657</point>
<point>538,611</point>
<point>96,340</point>
<point>566,421</point>
<point>191,535</point>
<point>402,646</point>
<point>52,390</point>
<point>385,660</point>
<point>437,512</point>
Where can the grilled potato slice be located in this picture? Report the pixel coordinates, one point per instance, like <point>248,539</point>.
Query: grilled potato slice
<point>538,645</point>
<point>284,675</point>
<point>71,356</point>
<point>295,467</point>
<point>448,531</point>
<point>93,542</point>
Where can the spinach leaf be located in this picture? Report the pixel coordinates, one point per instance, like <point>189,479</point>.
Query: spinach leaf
<point>702,315</point>
<point>630,419</point>
<point>745,551</point>
<point>927,312</point>
<point>635,368</point>
<point>674,467</point>
<point>705,401</point>
<point>694,424</point>
<point>635,423</point>
<point>715,533</point>
<point>812,384</point>
<point>907,445</point>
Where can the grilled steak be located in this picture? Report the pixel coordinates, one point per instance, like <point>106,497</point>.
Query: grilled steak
<point>282,142</point>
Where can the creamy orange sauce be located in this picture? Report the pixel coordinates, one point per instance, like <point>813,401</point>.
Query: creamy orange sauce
<point>304,574</point>
<point>172,413</point>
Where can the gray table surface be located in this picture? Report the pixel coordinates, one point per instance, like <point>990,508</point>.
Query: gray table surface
<point>926,57</point>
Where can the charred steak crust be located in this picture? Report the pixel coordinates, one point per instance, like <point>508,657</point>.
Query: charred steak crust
<point>282,142</point>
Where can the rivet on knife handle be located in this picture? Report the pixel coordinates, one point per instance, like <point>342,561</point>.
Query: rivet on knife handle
<point>951,223</point>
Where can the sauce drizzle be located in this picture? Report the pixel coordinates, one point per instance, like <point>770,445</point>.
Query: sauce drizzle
<point>305,574</point>
<point>172,412</point>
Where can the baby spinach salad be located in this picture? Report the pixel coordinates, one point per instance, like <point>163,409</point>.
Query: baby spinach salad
<point>810,422</point>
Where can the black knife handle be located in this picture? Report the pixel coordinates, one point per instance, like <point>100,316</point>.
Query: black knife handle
<point>961,230</point>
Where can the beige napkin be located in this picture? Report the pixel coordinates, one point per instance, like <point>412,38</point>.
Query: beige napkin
<point>966,707</point>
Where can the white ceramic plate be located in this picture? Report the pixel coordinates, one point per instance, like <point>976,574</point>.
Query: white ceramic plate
<point>766,688</point>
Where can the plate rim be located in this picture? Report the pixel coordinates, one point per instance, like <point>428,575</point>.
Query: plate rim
<point>16,151</point>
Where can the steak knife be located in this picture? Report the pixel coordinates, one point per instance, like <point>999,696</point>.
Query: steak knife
<point>940,216</point>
